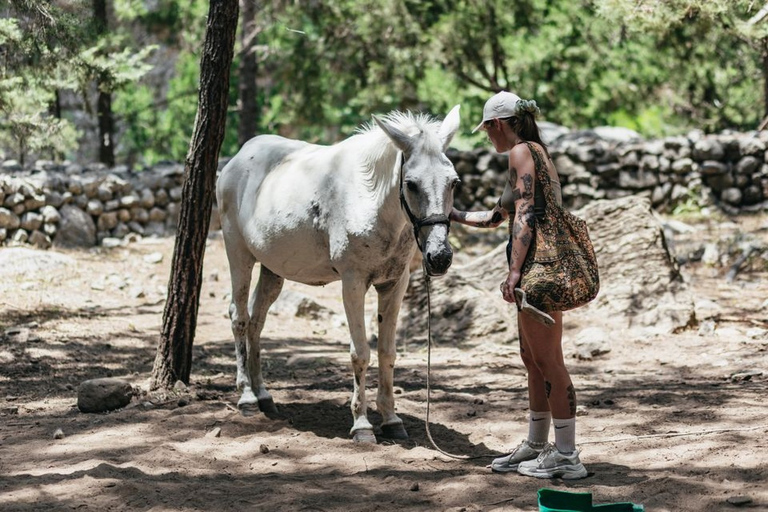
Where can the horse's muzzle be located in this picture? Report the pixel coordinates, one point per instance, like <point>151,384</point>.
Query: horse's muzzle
<point>437,263</point>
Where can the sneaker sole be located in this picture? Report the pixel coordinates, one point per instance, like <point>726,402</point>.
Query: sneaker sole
<point>574,472</point>
<point>504,469</point>
<point>508,468</point>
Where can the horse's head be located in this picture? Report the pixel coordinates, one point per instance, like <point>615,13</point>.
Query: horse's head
<point>427,182</point>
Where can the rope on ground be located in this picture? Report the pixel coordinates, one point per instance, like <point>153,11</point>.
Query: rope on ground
<point>675,434</point>
<point>429,369</point>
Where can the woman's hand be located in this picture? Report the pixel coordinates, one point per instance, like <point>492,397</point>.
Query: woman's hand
<point>508,287</point>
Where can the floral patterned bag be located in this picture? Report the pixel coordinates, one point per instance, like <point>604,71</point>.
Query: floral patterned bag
<point>560,269</point>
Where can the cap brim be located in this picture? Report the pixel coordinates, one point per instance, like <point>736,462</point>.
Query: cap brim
<point>478,126</point>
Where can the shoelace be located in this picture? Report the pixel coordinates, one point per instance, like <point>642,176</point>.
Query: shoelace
<point>548,448</point>
<point>516,448</point>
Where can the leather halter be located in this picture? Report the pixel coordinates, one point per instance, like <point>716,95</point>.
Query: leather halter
<point>417,223</point>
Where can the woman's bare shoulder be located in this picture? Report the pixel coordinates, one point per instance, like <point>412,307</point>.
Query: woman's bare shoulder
<point>520,154</point>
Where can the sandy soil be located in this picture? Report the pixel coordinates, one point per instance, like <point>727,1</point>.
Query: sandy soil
<point>677,423</point>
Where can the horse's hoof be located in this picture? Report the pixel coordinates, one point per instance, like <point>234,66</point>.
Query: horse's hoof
<point>394,431</point>
<point>364,436</point>
<point>248,404</point>
<point>248,409</point>
<point>267,406</point>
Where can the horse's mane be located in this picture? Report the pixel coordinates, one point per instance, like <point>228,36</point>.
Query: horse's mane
<point>377,150</point>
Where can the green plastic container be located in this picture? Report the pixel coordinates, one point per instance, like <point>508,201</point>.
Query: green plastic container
<point>551,500</point>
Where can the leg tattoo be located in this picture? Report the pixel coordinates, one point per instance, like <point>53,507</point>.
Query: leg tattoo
<point>572,399</point>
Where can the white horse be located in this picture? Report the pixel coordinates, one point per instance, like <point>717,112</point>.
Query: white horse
<point>316,214</point>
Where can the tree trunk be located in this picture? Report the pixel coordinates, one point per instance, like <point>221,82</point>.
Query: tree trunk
<point>249,67</point>
<point>174,352</point>
<point>764,52</point>
<point>104,105</point>
<point>56,104</point>
<point>106,128</point>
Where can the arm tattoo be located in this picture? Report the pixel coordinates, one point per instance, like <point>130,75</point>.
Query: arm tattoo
<point>528,184</point>
<point>517,227</point>
<point>522,233</point>
<point>485,222</point>
<point>528,215</point>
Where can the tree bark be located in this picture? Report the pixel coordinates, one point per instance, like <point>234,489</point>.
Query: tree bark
<point>764,55</point>
<point>249,67</point>
<point>106,128</point>
<point>173,361</point>
<point>104,104</point>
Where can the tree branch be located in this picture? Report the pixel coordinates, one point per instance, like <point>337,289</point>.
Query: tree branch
<point>464,76</point>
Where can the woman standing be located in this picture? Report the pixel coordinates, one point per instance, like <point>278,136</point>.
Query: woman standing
<point>511,126</point>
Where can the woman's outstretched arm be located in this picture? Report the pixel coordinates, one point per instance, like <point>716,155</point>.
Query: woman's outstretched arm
<point>482,219</point>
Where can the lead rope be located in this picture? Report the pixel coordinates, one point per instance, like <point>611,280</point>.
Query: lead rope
<point>427,280</point>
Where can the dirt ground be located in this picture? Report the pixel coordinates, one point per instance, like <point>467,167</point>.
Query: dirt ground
<point>676,423</point>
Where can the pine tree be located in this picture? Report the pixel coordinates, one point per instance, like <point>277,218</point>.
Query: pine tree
<point>174,352</point>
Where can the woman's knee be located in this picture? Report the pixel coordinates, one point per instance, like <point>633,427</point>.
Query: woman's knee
<point>552,369</point>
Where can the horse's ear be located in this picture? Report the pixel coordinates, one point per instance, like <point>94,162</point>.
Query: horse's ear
<point>449,127</point>
<point>400,139</point>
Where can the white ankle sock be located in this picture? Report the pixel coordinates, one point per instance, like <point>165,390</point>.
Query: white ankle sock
<point>565,435</point>
<point>538,427</point>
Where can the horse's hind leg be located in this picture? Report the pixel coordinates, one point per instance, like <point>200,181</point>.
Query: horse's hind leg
<point>353,291</point>
<point>241,263</point>
<point>390,298</point>
<point>266,292</point>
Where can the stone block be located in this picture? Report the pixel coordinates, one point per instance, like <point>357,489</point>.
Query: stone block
<point>102,395</point>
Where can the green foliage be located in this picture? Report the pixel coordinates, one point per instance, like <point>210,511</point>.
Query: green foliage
<point>111,65</point>
<point>652,121</point>
<point>689,207</point>
<point>9,31</point>
<point>707,53</point>
<point>160,131</point>
<point>26,127</point>
<point>658,67</point>
<point>49,47</point>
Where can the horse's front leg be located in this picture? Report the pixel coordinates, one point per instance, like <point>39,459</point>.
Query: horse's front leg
<point>390,297</point>
<point>353,292</point>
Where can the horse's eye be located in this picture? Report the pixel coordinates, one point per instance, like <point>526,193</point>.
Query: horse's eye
<point>412,186</point>
<point>455,184</point>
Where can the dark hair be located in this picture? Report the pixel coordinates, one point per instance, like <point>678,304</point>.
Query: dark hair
<point>524,125</point>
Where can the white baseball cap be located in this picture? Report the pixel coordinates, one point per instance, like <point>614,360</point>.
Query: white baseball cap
<point>500,105</point>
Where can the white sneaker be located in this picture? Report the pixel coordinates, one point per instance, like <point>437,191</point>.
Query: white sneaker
<point>552,464</point>
<point>509,463</point>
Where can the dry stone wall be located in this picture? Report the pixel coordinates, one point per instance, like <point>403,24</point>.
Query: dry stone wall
<point>727,171</point>
<point>76,206</point>
<point>80,206</point>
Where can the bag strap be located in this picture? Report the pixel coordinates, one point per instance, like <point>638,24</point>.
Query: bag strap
<point>547,195</point>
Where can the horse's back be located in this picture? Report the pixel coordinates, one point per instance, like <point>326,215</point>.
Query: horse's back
<point>245,171</point>
<point>265,196</point>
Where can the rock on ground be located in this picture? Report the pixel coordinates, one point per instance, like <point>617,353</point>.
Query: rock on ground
<point>640,283</point>
<point>101,395</point>
<point>462,309</point>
